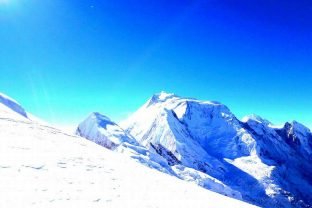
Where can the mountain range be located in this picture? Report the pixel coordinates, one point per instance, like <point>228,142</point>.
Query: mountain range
<point>157,157</point>
<point>41,166</point>
<point>204,142</point>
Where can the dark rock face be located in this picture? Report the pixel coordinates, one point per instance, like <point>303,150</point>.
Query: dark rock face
<point>162,151</point>
<point>288,135</point>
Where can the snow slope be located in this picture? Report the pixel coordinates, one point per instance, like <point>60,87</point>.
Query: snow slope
<point>267,165</point>
<point>101,130</point>
<point>41,166</point>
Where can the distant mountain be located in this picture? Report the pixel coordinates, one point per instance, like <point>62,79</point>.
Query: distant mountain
<point>269,166</point>
<point>41,166</point>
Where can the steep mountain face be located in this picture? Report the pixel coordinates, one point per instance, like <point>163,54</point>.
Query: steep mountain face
<point>287,149</point>
<point>101,130</point>
<point>267,165</point>
<point>41,166</point>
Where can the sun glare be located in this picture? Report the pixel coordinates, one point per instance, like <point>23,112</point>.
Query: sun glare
<point>4,1</point>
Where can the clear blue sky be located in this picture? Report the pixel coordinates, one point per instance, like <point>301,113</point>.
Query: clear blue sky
<point>63,59</point>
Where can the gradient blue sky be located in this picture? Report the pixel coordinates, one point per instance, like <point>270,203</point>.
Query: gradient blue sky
<point>64,59</point>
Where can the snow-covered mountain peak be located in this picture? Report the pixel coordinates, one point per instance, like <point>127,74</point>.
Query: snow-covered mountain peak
<point>8,103</point>
<point>160,98</point>
<point>298,127</point>
<point>164,95</point>
<point>171,101</point>
<point>203,134</point>
<point>298,136</point>
<point>100,116</point>
<point>296,130</point>
<point>188,110</point>
<point>255,118</point>
<point>101,130</point>
<point>201,126</point>
<point>101,120</point>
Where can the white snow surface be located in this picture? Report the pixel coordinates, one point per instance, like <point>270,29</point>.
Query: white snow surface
<point>41,166</point>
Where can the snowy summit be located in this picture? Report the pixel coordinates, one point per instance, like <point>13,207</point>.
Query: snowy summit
<point>207,138</point>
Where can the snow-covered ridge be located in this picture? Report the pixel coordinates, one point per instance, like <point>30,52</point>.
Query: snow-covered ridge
<point>301,128</point>
<point>101,130</point>
<point>164,96</point>
<point>12,104</point>
<point>256,118</point>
